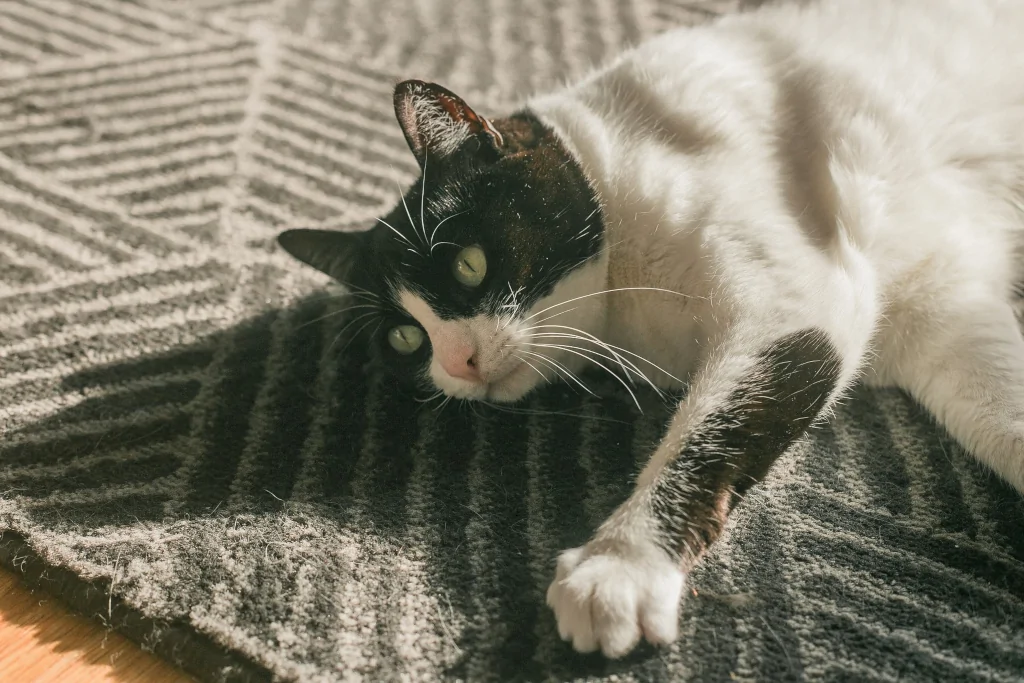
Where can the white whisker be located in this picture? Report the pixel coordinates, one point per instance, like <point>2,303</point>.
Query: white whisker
<point>511,308</point>
<point>581,354</point>
<point>356,334</point>
<point>428,399</point>
<point>354,290</point>
<point>520,358</point>
<point>602,343</point>
<point>409,214</point>
<point>438,226</point>
<point>400,235</point>
<point>358,295</point>
<point>338,312</point>
<point>348,325</point>
<point>553,413</point>
<point>437,244</point>
<point>569,373</point>
<point>550,317</point>
<point>611,291</point>
<point>445,402</point>
<point>423,197</point>
<point>615,358</point>
<point>586,336</point>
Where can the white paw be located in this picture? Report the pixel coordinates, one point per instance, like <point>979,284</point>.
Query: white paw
<point>610,597</point>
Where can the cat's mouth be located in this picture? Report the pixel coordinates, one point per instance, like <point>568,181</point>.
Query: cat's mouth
<point>510,383</point>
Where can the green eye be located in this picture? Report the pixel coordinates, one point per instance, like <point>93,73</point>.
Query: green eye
<point>405,339</point>
<point>470,266</point>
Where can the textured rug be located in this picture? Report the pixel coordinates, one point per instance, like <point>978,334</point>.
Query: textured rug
<point>189,457</point>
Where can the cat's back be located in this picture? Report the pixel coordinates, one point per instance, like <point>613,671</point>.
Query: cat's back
<point>914,84</point>
<point>933,62</point>
<point>939,60</point>
<point>927,70</point>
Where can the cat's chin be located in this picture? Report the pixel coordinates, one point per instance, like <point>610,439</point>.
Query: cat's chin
<point>519,382</point>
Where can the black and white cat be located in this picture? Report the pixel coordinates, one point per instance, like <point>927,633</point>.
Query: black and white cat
<point>769,207</point>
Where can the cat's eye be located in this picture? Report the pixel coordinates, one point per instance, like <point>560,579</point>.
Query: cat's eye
<point>470,266</point>
<point>405,339</point>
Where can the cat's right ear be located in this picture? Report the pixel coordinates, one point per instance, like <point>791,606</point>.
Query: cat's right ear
<point>438,123</point>
<point>330,251</point>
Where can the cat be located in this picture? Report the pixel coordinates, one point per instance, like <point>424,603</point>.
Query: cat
<point>764,209</point>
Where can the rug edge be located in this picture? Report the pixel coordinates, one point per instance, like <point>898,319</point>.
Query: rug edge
<point>176,642</point>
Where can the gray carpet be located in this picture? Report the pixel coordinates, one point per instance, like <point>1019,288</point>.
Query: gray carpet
<point>189,457</point>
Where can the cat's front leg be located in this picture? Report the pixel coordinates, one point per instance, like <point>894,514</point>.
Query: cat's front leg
<point>754,397</point>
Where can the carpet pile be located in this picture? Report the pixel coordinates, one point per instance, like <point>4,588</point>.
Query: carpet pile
<point>187,455</point>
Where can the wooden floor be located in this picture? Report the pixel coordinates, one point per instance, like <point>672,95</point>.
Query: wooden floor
<point>40,640</point>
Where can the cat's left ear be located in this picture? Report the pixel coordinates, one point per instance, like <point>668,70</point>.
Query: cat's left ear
<point>437,123</point>
<point>333,252</point>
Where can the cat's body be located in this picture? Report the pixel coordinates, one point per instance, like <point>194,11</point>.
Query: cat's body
<point>789,200</point>
<point>819,131</point>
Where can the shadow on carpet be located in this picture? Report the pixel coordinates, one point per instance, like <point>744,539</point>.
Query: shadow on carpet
<point>265,504</point>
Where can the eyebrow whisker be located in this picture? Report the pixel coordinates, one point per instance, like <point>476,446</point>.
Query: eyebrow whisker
<point>423,197</point>
<point>409,214</point>
<point>443,221</point>
<point>400,235</point>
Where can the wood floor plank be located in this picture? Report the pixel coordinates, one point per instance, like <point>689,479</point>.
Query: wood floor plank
<point>42,641</point>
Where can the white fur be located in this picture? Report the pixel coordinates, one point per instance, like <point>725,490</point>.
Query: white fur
<point>909,121</point>
<point>441,133</point>
<point>507,359</point>
<point>855,165</point>
<point>851,165</point>
<point>608,597</point>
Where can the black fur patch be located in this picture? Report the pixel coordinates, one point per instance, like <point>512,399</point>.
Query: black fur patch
<point>733,449</point>
<point>526,203</point>
<point>526,210</point>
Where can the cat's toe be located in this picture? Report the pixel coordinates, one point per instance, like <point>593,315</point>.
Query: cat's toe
<point>610,599</point>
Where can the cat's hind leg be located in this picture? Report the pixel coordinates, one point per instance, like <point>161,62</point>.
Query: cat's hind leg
<point>967,368</point>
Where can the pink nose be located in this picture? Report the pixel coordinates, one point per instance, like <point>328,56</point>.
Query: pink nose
<point>459,362</point>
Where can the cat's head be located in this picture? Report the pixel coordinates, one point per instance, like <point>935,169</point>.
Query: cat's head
<point>472,283</point>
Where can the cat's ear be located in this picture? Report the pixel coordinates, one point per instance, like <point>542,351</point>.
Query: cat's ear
<point>437,123</point>
<point>330,251</point>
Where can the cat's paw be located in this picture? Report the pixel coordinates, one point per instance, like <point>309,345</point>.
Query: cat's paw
<point>608,596</point>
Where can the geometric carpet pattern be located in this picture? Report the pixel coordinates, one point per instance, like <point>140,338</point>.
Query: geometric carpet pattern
<point>189,456</point>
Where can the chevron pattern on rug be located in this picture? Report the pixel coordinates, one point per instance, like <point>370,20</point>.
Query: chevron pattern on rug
<point>191,455</point>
